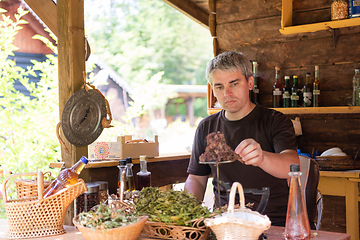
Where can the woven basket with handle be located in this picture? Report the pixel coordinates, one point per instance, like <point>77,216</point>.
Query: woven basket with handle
<point>237,224</point>
<point>32,217</point>
<point>29,187</point>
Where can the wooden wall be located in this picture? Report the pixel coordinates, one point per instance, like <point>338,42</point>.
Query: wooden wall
<point>252,27</point>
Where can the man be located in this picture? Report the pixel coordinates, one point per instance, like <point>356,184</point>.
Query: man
<point>264,139</point>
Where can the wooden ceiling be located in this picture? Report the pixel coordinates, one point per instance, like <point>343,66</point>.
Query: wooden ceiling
<point>197,10</point>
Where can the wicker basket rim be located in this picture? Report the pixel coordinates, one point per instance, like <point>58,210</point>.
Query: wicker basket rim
<point>78,225</point>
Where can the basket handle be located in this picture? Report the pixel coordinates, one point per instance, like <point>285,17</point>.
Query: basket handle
<point>236,185</point>
<point>40,183</point>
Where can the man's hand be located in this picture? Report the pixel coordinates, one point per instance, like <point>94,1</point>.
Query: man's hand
<point>250,151</point>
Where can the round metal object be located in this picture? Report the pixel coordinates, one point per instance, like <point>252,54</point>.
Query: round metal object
<point>81,117</point>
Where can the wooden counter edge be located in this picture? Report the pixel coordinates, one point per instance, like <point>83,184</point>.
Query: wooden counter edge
<point>113,163</point>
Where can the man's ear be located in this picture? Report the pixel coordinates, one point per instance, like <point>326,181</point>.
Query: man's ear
<point>251,82</point>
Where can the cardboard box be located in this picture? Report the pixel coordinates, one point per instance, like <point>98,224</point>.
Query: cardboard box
<point>135,148</point>
<point>104,151</point>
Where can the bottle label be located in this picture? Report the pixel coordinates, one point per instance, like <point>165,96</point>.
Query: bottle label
<point>307,98</point>
<point>316,92</point>
<point>286,94</point>
<point>295,97</point>
<point>277,92</point>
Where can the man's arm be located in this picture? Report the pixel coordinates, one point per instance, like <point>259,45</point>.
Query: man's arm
<point>276,164</point>
<point>196,185</point>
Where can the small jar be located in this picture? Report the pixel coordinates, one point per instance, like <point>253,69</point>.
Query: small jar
<point>339,9</point>
<point>103,191</point>
<point>88,199</point>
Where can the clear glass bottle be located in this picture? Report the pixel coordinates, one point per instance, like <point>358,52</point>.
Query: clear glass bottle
<point>67,177</point>
<point>356,92</point>
<point>121,186</point>
<point>277,94</point>
<point>297,222</point>
<point>130,186</point>
<point>143,176</point>
<point>307,92</point>
<point>88,199</point>
<point>316,88</point>
<point>295,92</point>
<point>256,90</point>
<point>103,191</point>
<point>286,92</point>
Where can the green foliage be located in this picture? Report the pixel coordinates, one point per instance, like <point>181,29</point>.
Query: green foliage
<point>28,140</point>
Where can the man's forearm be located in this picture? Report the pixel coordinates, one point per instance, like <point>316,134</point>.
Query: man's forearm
<point>278,164</point>
<point>196,185</point>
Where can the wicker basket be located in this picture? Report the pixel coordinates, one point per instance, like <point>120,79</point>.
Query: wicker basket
<point>26,188</point>
<point>35,216</point>
<point>163,231</point>
<point>240,223</point>
<point>129,232</point>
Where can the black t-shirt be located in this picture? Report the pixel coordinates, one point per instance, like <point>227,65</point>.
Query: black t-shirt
<point>273,131</point>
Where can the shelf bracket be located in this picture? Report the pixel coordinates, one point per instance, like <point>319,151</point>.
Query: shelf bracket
<point>335,35</point>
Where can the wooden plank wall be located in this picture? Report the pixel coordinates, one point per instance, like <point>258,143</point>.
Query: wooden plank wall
<point>253,27</point>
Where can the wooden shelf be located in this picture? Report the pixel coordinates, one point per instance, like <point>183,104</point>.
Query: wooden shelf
<point>308,110</point>
<point>287,28</point>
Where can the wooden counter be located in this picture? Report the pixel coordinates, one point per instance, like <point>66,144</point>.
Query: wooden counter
<point>274,233</point>
<point>165,169</point>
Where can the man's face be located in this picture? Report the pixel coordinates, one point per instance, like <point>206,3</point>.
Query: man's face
<point>232,91</point>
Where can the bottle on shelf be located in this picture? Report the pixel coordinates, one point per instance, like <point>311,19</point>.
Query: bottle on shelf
<point>277,94</point>
<point>256,91</point>
<point>356,92</point>
<point>121,186</point>
<point>295,92</point>
<point>130,186</point>
<point>307,92</point>
<point>143,176</point>
<point>316,88</point>
<point>297,222</point>
<point>67,177</point>
<point>286,92</point>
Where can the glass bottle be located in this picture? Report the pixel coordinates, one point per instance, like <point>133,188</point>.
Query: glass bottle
<point>316,88</point>
<point>88,199</point>
<point>130,186</point>
<point>295,92</point>
<point>256,82</point>
<point>356,81</point>
<point>307,91</point>
<point>103,191</point>
<point>286,92</point>
<point>297,222</point>
<point>121,186</point>
<point>67,177</point>
<point>277,89</point>
<point>143,176</point>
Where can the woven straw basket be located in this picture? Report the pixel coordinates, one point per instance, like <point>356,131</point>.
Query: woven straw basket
<point>129,232</point>
<point>29,187</point>
<point>31,217</point>
<point>240,223</point>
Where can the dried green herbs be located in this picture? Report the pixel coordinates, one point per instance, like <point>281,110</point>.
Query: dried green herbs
<point>105,218</point>
<point>170,207</point>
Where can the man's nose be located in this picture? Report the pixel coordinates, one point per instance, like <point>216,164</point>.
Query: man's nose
<point>228,91</point>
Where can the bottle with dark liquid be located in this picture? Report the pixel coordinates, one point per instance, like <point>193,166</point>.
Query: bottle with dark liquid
<point>256,91</point>
<point>277,93</point>
<point>316,88</point>
<point>297,222</point>
<point>295,92</point>
<point>121,186</point>
<point>144,176</point>
<point>307,92</point>
<point>130,181</point>
<point>67,177</point>
<point>286,92</point>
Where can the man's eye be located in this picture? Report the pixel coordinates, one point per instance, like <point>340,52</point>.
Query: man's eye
<point>218,87</point>
<point>235,84</point>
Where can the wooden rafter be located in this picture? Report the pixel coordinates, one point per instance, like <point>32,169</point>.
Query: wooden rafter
<point>191,10</point>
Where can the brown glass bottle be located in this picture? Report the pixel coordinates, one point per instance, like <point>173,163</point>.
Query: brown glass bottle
<point>143,176</point>
<point>277,89</point>
<point>307,92</point>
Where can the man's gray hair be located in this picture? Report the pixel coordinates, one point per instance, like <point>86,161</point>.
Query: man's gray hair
<point>230,62</point>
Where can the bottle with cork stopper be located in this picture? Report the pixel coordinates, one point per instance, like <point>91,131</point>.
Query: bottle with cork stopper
<point>143,176</point>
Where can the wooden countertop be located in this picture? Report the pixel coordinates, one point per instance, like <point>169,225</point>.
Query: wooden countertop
<point>274,233</point>
<point>114,163</point>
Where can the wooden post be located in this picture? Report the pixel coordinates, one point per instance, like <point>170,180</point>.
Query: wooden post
<point>71,59</point>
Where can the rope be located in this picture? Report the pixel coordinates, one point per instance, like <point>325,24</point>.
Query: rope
<point>60,140</point>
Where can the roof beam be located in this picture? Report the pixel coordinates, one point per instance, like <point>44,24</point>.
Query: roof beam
<point>191,10</point>
<point>46,11</point>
